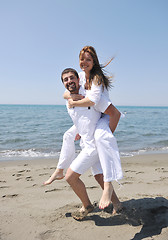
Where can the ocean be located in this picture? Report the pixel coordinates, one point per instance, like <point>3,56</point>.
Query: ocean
<point>36,131</point>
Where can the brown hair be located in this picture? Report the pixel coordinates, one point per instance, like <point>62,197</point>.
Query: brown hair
<point>97,71</point>
<point>67,70</point>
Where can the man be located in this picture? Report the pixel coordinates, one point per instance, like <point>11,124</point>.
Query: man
<point>85,120</point>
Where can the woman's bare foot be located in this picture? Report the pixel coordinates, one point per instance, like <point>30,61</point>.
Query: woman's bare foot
<point>106,196</point>
<point>57,175</point>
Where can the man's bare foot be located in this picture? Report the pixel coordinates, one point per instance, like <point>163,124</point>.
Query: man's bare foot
<point>106,196</point>
<point>57,175</point>
<point>117,208</point>
<point>82,213</point>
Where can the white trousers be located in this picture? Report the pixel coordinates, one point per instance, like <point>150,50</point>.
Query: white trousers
<point>83,161</point>
<point>67,154</point>
<point>107,150</point>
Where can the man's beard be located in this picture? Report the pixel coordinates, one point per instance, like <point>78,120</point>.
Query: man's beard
<point>72,88</point>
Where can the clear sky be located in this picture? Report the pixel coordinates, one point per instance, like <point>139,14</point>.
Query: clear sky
<point>39,38</point>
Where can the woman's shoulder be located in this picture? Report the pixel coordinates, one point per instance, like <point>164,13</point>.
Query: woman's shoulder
<point>81,74</point>
<point>82,79</point>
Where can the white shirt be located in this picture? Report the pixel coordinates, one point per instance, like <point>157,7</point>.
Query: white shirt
<point>96,94</point>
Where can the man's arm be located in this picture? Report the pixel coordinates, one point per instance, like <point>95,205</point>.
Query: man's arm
<point>66,95</point>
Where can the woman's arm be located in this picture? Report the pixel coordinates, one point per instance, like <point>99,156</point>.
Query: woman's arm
<point>94,94</point>
<point>92,97</point>
<point>67,95</point>
<point>85,102</point>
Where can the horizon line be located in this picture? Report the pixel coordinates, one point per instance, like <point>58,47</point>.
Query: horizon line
<point>43,104</point>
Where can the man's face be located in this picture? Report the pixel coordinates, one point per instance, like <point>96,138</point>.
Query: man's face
<point>71,82</point>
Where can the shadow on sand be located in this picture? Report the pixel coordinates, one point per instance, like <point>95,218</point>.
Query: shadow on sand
<point>151,213</point>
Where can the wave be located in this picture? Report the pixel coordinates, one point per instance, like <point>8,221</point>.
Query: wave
<point>29,153</point>
<point>162,142</point>
<point>23,154</point>
<point>15,140</point>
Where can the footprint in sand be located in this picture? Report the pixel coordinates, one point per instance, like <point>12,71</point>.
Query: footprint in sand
<point>21,171</point>
<point>17,179</point>
<point>127,183</point>
<point>2,187</point>
<point>159,169</point>
<point>29,178</point>
<point>32,186</point>
<point>53,190</point>
<point>19,175</point>
<point>139,172</point>
<point>130,171</point>
<point>52,167</point>
<point>42,174</point>
<point>10,195</point>
<point>129,178</point>
<point>92,187</point>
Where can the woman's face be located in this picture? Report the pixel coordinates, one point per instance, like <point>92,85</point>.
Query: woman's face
<point>86,62</point>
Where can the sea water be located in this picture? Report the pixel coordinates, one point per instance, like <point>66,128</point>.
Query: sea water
<point>36,131</point>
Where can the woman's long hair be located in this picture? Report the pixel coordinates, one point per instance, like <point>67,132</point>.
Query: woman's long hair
<point>97,73</point>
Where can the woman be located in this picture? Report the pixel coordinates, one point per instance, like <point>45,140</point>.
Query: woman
<point>96,85</point>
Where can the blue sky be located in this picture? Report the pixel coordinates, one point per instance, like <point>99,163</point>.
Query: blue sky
<point>39,38</point>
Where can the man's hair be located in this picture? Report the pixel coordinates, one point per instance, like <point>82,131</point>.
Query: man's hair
<point>67,70</point>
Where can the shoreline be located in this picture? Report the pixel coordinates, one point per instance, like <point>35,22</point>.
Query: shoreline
<point>30,210</point>
<point>54,159</point>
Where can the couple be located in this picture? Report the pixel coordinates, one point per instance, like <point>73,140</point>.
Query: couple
<point>99,147</point>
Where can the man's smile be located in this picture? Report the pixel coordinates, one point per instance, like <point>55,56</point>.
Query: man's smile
<point>71,86</point>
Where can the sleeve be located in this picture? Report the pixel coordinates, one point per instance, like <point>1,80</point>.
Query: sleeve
<point>94,94</point>
<point>81,78</point>
<point>103,104</point>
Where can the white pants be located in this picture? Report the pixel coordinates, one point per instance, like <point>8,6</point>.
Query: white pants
<point>83,162</point>
<point>67,154</point>
<point>107,149</point>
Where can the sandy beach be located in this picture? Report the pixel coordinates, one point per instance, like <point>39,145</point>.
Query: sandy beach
<point>31,211</point>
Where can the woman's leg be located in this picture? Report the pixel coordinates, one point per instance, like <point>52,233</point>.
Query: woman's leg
<point>114,199</point>
<point>109,158</point>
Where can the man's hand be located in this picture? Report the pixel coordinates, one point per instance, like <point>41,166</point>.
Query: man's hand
<point>77,137</point>
<point>70,103</point>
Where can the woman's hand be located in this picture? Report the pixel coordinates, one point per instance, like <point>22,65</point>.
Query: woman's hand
<point>70,103</point>
<point>76,97</point>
